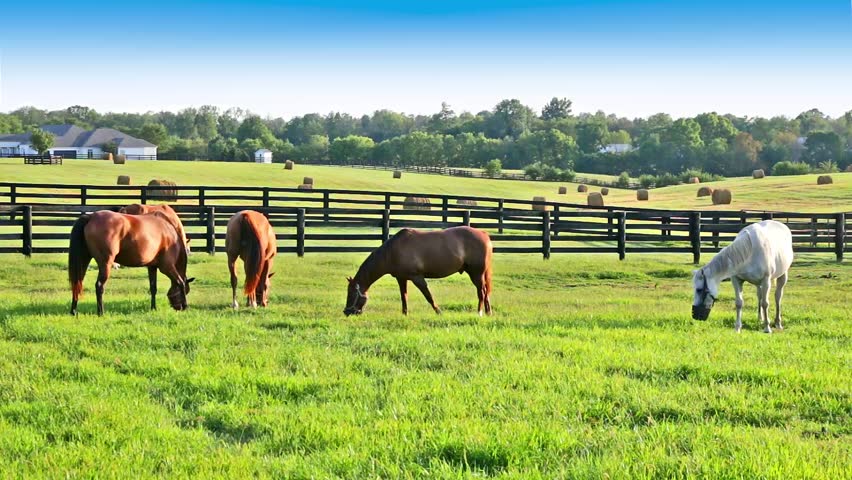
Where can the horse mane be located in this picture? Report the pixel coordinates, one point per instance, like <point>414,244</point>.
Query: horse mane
<point>732,256</point>
<point>381,252</point>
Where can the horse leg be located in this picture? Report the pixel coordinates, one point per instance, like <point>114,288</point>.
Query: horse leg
<point>478,281</point>
<point>232,268</point>
<point>487,283</point>
<point>403,293</point>
<point>420,283</point>
<point>763,304</point>
<point>152,283</point>
<point>779,293</point>
<point>103,275</point>
<point>738,301</point>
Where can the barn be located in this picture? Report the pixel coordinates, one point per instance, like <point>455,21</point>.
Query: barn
<point>263,156</point>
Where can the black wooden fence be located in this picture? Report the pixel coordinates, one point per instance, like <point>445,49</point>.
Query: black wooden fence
<point>36,218</point>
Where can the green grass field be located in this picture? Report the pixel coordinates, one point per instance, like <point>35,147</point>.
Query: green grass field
<point>797,193</point>
<point>590,367</point>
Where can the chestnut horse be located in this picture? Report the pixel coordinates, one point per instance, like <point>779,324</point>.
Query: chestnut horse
<point>251,238</point>
<point>416,256</point>
<point>135,241</point>
<point>169,212</point>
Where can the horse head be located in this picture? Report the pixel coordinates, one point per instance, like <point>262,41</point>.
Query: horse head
<point>706,292</point>
<point>262,292</point>
<point>355,298</point>
<point>178,292</point>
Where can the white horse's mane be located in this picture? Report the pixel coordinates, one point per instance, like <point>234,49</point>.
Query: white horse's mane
<point>729,258</point>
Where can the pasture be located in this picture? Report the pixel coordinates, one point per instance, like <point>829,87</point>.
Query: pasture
<point>794,193</point>
<point>589,368</point>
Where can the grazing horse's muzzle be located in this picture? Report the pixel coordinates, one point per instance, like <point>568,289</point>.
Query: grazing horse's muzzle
<point>352,311</point>
<point>700,312</point>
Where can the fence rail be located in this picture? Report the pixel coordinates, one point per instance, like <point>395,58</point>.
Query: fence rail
<point>36,218</point>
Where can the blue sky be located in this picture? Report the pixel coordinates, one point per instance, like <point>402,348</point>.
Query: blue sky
<point>632,58</point>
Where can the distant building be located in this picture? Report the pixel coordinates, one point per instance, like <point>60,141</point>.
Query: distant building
<point>71,141</point>
<point>263,156</point>
<point>616,148</point>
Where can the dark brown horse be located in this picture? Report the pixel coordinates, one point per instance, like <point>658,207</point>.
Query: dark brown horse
<point>416,256</point>
<point>251,238</point>
<point>134,241</point>
<point>169,213</point>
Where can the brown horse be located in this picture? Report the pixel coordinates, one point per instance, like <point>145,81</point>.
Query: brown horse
<point>134,241</point>
<point>251,238</point>
<point>416,256</point>
<point>170,215</point>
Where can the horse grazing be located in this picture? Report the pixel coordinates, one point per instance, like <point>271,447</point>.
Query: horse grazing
<point>251,238</point>
<point>416,256</point>
<point>761,252</point>
<point>170,215</point>
<point>134,241</point>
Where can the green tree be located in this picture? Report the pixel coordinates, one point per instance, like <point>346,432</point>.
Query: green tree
<point>618,137</point>
<point>442,121</point>
<point>823,147</point>
<point>812,120</point>
<point>385,124</point>
<point>511,118</point>
<point>351,149</point>
<point>714,126</point>
<point>340,125</point>
<point>591,134</point>
<point>207,122</point>
<point>253,127</point>
<point>556,108</point>
<point>40,140</point>
<point>185,123</point>
<point>548,147</point>
<point>10,124</point>
<point>315,149</point>
<point>301,129</point>
<point>746,151</point>
<point>154,133</point>
<point>684,132</point>
<point>493,168</point>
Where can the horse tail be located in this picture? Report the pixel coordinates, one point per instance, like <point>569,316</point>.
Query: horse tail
<point>253,259</point>
<point>78,256</point>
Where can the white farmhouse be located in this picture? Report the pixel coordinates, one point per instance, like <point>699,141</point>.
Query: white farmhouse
<point>616,148</point>
<point>71,141</point>
<point>263,156</point>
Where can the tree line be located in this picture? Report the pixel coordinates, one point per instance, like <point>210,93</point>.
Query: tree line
<point>513,134</point>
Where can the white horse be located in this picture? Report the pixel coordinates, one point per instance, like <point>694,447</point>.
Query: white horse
<point>761,253</point>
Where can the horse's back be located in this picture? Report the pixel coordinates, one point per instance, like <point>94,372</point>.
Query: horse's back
<point>773,242</point>
<point>442,252</point>
<point>133,240</point>
<point>258,224</point>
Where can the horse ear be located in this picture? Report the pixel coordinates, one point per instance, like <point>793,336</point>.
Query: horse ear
<point>270,275</point>
<point>190,280</point>
<point>349,279</point>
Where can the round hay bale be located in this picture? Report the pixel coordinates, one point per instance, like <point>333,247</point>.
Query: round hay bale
<point>758,174</point>
<point>306,186</point>
<point>107,156</point>
<point>595,199</point>
<point>288,165</point>
<point>705,192</point>
<point>582,188</point>
<point>722,196</point>
<point>642,195</point>
<point>824,180</point>
<point>694,180</point>
<point>397,174</point>
<point>417,203</point>
<point>308,181</point>
<point>539,206</point>
<point>123,180</point>
<point>563,190</point>
<point>163,194</point>
<point>120,159</point>
<point>849,168</point>
<point>466,202</point>
<point>604,191</point>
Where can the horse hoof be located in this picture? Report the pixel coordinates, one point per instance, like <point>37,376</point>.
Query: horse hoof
<point>767,330</point>
<point>235,305</point>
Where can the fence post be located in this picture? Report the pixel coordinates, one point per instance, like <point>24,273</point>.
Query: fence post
<point>545,235</point>
<point>445,205</point>
<point>500,216</point>
<point>385,225</point>
<point>839,235</point>
<point>326,201</point>
<point>27,230</point>
<point>695,235</point>
<point>814,232</point>
<point>143,195</point>
<point>466,218</point>
<point>716,231</point>
<point>609,221</point>
<point>83,195</point>
<point>300,232</point>
<point>768,215</point>
<point>387,201</point>
<point>266,202</point>
<point>211,229</point>
<point>556,220</point>
<point>666,232</point>
<point>201,198</point>
<point>13,194</point>
<point>622,234</point>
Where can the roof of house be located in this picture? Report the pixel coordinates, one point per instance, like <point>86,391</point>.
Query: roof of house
<point>263,150</point>
<point>72,136</point>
